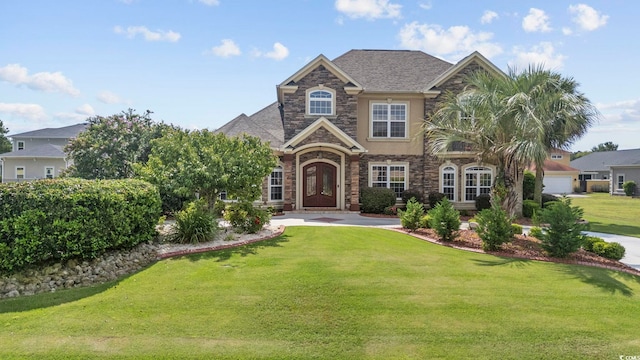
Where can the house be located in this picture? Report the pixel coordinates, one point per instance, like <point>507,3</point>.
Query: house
<point>340,125</point>
<point>608,168</point>
<point>38,154</point>
<point>559,176</point>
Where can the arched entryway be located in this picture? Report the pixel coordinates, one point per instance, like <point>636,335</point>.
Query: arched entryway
<point>319,181</point>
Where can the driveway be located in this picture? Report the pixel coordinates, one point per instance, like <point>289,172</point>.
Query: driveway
<point>631,244</point>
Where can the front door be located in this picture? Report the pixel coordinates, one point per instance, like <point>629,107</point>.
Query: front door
<point>319,185</point>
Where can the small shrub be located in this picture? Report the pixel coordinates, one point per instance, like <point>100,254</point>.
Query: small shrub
<point>528,185</point>
<point>577,189</point>
<point>494,227</point>
<point>589,241</point>
<point>548,198</point>
<point>435,198</point>
<point>375,199</point>
<point>516,229</point>
<point>408,194</point>
<point>529,208</point>
<point>536,232</point>
<point>411,217</point>
<point>445,220</point>
<point>629,187</point>
<point>244,217</point>
<point>483,201</point>
<point>424,221</point>
<point>609,250</point>
<point>564,233</point>
<point>195,223</point>
<point>391,210</point>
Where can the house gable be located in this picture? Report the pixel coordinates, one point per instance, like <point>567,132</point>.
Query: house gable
<point>465,66</point>
<point>323,133</point>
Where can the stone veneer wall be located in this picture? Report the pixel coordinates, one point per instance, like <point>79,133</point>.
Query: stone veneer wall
<point>416,165</point>
<point>295,104</point>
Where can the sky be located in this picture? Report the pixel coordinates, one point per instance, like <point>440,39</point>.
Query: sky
<point>200,63</point>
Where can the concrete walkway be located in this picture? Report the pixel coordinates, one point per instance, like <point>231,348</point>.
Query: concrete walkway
<point>631,244</point>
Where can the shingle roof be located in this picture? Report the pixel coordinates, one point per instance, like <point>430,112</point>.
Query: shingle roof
<point>602,160</point>
<point>47,151</point>
<point>265,124</point>
<point>65,132</point>
<point>391,70</point>
<point>550,165</point>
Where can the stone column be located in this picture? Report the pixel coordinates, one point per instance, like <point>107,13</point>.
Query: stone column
<point>288,182</point>
<point>355,183</point>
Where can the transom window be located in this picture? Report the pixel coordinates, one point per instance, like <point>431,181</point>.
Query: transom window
<point>449,182</point>
<point>478,180</point>
<point>393,177</point>
<point>389,120</point>
<point>275,184</point>
<point>320,102</point>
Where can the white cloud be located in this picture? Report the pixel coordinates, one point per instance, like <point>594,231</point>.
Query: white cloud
<point>158,35</point>
<point>86,109</point>
<point>488,16</point>
<point>279,52</point>
<point>541,54</point>
<point>426,5</point>
<point>454,42</point>
<point>42,81</point>
<point>80,114</point>
<point>369,9</point>
<point>227,49</point>
<point>567,31</point>
<point>108,97</point>
<point>27,111</point>
<point>536,21</point>
<point>587,17</point>
<point>210,2</point>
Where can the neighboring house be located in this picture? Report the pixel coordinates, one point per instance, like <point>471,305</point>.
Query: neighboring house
<point>559,176</point>
<point>38,154</point>
<point>612,168</point>
<point>340,125</point>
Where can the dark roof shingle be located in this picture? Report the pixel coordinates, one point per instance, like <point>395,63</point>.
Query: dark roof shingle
<point>65,132</point>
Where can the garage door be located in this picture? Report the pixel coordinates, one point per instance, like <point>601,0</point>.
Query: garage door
<point>557,185</point>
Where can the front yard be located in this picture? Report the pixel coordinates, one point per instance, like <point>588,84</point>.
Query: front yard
<point>611,214</point>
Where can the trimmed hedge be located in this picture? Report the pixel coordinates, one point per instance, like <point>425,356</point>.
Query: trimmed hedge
<point>61,219</point>
<point>529,208</point>
<point>483,201</point>
<point>375,199</point>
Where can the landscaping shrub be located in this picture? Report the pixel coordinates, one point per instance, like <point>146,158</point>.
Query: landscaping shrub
<point>536,232</point>
<point>629,187</point>
<point>548,198</point>
<point>218,208</point>
<point>600,188</point>
<point>435,198</point>
<point>528,185</point>
<point>424,221</point>
<point>411,217</point>
<point>529,208</point>
<point>589,241</point>
<point>408,194</point>
<point>61,219</point>
<point>246,218</point>
<point>445,220</point>
<point>516,229</point>
<point>391,210</point>
<point>375,199</point>
<point>494,227</point>
<point>563,232</point>
<point>483,201</point>
<point>195,224</point>
<point>609,250</point>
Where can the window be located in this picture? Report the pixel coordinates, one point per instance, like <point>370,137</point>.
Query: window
<point>619,181</point>
<point>320,102</point>
<point>390,176</point>
<point>556,156</point>
<point>19,172</point>
<point>20,145</point>
<point>275,184</point>
<point>478,181</point>
<point>388,120</point>
<point>222,195</point>
<point>448,182</point>
<point>49,172</point>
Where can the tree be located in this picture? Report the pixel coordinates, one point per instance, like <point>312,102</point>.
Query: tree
<point>5,144</point>
<point>110,146</point>
<point>510,121</point>
<point>184,162</point>
<point>605,146</point>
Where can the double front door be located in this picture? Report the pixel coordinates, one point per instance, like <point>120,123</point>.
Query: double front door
<point>319,185</point>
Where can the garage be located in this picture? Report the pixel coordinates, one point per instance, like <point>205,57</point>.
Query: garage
<point>557,185</point>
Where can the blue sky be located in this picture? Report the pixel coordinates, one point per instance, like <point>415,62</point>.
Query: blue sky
<point>200,63</point>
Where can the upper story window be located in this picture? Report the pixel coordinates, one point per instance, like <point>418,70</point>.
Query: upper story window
<point>320,102</point>
<point>20,145</point>
<point>556,156</point>
<point>389,120</point>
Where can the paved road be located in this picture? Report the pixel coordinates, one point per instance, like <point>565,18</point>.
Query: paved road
<point>631,244</point>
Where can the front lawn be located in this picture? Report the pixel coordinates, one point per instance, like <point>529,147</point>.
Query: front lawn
<point>611,214</point>
<point>335,293</point>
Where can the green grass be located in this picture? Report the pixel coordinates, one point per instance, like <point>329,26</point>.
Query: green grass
<point>335,293</point>
<point>611,214</point>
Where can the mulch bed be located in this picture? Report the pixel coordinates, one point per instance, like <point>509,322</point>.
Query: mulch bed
<point>522,247</point>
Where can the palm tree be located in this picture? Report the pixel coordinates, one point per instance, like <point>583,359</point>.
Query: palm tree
<point>510,121</point>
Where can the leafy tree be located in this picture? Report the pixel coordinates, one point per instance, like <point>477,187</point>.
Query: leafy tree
<point>605,146</point>
<point>110,146</point>
<point>184,162</point>
<point>5,144</point>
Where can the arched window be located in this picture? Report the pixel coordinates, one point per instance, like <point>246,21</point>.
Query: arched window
<point>448,182</point>
<point>478,180</point>
<point>320,102</point>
